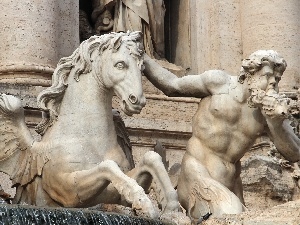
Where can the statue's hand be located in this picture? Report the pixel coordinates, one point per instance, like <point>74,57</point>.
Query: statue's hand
<point>146,57</point>
<point>256,98</point>
<point>275,105</point>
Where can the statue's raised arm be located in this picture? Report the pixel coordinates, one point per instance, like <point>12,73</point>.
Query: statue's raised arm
<point>199,86</point>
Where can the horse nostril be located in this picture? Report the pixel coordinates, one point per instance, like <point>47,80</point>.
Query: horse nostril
<point>132,98</point>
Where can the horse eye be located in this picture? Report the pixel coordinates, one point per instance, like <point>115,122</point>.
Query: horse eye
<point>120,65</point>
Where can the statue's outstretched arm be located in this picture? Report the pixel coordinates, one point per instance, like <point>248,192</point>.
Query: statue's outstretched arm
<point>199,86</point>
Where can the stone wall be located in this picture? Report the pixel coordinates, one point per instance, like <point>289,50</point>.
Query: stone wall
<point>225,32</point>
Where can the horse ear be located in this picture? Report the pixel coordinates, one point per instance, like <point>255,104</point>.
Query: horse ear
<point>117,43</point>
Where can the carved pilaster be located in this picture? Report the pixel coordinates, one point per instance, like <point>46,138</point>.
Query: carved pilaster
<point>269,25</point>
<point>35,35</point>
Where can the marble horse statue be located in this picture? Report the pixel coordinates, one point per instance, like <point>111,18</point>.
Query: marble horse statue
<point>78,162</point>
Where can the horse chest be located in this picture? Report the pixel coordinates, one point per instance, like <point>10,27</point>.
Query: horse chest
<point>79,150</point>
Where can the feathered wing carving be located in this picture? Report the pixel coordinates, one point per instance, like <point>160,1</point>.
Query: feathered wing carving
<point>16,157</point>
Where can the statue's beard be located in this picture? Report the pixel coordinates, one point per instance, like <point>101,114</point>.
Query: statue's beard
<point>257,94</point>
<point>256,97</point>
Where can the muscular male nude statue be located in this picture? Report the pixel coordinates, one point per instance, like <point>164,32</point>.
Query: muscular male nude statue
<point>233,112</point>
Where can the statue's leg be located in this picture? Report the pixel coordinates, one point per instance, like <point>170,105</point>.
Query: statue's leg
<point>151,167</point>
<point>238,186</point>
<point>81,188</point>
<point>199,194</point>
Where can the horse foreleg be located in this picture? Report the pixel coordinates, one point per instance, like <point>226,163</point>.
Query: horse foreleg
<point>151,167</point>
<point>77,188</point>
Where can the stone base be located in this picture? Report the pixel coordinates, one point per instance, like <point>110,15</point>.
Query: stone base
<point>285,214</point>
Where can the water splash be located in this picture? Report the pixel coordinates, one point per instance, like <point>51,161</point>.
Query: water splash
<point>30,215</point>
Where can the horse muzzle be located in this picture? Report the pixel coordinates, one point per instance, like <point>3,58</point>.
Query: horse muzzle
<point>133,104</point>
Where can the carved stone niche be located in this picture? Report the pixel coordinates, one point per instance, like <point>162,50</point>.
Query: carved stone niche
<point>176,28</point>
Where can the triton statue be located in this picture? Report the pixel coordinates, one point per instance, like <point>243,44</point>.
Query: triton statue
<point>233,112</point>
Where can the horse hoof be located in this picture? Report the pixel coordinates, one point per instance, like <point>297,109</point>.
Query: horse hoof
<point>172,206</point>
<point>144,208</point>
<point>176,218</point>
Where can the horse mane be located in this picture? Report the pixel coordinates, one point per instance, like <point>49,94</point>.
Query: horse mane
<point>81,61</point>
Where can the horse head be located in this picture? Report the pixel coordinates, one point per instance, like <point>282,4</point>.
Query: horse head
<point>115,60</point>
<point>121,70</point>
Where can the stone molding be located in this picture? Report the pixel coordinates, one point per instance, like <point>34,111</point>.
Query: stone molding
<point>26,74</point>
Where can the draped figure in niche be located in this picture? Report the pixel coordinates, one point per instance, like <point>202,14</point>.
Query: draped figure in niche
<point>138,15</point>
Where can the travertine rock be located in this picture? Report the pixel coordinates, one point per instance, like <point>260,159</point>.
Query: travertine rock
<point>266,183</point>
<point>284,214</point>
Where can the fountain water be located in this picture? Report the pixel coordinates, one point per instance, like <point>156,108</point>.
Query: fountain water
<point>30,215</point>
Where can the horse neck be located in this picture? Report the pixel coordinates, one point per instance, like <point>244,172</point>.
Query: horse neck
<point>86,105</point>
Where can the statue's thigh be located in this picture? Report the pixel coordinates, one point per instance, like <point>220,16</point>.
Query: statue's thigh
<point>192,173</point>
<point>192,170</point>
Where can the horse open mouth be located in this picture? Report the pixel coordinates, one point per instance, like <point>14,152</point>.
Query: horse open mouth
<point>130,109</point>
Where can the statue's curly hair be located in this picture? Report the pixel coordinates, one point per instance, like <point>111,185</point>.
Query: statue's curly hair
<point>259,58</point>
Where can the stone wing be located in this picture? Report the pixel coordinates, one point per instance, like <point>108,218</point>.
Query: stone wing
<point>15,138</point>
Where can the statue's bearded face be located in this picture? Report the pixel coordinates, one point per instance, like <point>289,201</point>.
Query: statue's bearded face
<point>263,70</point>
<point>265,79</point>
<point>263,82</point>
